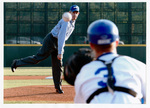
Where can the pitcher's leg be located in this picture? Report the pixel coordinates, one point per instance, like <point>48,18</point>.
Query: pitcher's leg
<point>56,70</point>
<point>42,54</point>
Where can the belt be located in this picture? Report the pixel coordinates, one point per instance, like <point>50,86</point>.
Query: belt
<point>54,38</point>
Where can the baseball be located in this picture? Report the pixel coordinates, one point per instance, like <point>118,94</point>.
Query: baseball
<point>67,16</point>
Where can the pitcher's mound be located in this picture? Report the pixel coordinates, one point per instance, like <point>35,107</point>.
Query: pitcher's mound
<point>39,93</point>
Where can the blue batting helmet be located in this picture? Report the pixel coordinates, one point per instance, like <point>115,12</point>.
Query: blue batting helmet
<point>102,32</point>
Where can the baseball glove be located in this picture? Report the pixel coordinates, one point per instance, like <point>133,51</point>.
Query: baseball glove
<point>74,64</point>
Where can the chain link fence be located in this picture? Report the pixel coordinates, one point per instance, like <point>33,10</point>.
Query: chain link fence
<point>28,23</point>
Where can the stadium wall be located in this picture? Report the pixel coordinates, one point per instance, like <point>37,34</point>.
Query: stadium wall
<point>14,51</point>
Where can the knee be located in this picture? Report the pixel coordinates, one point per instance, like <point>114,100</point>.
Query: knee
<point>35,59</point>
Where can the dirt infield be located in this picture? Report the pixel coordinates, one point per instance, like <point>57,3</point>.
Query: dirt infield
<point>38,93</point>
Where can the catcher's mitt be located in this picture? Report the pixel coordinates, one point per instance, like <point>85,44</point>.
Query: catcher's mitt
<point>74,64</point>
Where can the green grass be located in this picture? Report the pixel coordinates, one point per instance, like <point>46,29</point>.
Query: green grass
<point>19,83</point>
<point>29,71</point>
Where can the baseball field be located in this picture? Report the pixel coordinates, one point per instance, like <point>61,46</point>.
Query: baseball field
<point>29,85</point>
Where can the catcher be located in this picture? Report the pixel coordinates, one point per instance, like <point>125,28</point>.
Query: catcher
<point>111,78</point>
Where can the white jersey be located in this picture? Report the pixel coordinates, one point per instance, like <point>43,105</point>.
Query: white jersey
<point>128,72</point>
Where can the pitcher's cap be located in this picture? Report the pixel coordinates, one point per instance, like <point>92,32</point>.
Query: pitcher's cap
<point>74,8</point>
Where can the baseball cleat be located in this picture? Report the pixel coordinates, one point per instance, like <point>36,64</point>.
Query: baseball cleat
<point>13,66</point>
<point>59,91</point>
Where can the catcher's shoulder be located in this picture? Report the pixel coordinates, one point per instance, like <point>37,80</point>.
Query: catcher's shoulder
<point>131,60</point>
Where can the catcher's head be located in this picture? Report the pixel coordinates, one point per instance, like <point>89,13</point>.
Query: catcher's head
<point>102,32</point>
<point>75,63</point>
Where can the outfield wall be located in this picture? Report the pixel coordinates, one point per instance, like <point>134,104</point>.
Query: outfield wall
<point>14,51</point>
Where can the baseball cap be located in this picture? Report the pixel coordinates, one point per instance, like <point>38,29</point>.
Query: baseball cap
<point>74,8</point>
